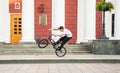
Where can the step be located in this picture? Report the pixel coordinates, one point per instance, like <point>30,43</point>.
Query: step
<point>39,52</point>
<point>36,46</point>
<point>25,59</point>
<point>34,49</point>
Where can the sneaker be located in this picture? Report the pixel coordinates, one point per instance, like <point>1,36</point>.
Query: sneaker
<point>58,49</point>
<point>55,46</point>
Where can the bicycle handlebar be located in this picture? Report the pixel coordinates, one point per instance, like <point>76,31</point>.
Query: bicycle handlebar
<point>50,34</point>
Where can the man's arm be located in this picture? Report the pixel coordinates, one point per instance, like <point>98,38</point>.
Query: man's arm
<point>53,29</point>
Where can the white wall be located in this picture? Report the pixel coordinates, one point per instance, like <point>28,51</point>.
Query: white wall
<point>90,19</point>
<point>27,21</point>
<point>80,21</point>
<point>5,21</point>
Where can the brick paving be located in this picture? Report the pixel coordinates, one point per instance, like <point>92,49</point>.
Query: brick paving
<point>60,68</point>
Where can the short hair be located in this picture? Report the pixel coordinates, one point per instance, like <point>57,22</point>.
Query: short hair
<point>61,27</point>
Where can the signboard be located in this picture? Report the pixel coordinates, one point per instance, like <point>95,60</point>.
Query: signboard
<point>43,19</point>
<point>17,5</point>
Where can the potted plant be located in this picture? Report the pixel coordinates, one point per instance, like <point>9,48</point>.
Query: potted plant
<point>104,6</point>
<point>107,6</point>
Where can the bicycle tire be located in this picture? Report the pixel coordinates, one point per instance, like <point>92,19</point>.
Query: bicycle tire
<point>43,43</point>
<point>61,53</point>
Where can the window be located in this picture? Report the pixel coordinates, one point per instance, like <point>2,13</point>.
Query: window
<point>113,25</point>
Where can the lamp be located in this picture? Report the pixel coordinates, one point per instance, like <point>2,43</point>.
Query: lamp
<point>103,25</point>
<point>42,7</point>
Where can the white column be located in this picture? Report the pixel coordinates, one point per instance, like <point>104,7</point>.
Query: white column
<point>108,21</point>
<point>90,21</point>
<point>117,19</point>
<point>80,21</point>
<point>0,21</point>
<point>58,13</point>
<point>5,21</point>
<point>27,21</point>
<point>108,24</point>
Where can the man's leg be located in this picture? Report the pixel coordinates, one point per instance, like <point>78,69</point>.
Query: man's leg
<point>66,39</point>
<point>61,39</point>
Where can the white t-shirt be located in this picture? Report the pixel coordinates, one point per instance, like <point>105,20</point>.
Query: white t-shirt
<point>67,33</point>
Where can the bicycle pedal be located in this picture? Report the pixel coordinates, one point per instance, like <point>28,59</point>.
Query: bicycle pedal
<point>57,49</point>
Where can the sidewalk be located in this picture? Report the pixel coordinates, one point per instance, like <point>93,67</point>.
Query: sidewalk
<point>60,68</point>
<point>54,59</point>
<point>54,64</point>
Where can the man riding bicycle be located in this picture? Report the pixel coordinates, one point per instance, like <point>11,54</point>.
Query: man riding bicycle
<point>65,35</point>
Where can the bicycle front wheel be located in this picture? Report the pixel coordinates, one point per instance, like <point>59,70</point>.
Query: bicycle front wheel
<point>43,43</point>
<point>61,52</point>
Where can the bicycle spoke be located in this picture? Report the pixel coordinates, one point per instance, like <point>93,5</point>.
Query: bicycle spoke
<point>43,43</point>
<point>61,52</point>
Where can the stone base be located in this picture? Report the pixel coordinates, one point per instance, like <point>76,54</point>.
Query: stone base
<point>106,47</point>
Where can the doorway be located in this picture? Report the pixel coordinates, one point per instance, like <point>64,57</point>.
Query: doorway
<point>15,28</point>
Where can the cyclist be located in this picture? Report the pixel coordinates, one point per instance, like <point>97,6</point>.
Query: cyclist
<point>65,36</point>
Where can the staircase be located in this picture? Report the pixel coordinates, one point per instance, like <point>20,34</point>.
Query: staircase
<point>30,53</point>
<point>32,48</point>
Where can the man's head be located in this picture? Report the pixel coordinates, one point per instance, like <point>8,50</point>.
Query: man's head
<point>61,28</point>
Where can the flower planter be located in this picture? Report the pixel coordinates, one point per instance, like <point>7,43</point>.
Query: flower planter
<point>106,47</point>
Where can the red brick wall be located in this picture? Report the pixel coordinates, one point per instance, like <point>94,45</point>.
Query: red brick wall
<point>71,18</point>
<point>98,23</point>
<point>42,31</point>
<point>12,6</point>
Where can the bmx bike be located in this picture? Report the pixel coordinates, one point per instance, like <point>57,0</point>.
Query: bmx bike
<point>44,43</point>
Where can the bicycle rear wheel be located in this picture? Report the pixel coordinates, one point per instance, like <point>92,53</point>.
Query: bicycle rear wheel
<point>61,53</point>
<point>43,43</point>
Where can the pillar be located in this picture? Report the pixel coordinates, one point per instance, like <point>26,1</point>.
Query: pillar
<point>27,21</point>
<point>90,14</point>
<point>80,21</point>
<point>117,19</point>
<point>58,13</point>
<point>5,21</point>
<point>0,20</point>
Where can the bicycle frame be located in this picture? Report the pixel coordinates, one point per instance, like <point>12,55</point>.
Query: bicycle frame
<point>51,40</point>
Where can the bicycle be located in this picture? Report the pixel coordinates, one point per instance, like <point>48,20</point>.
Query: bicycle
<point>44,43</point>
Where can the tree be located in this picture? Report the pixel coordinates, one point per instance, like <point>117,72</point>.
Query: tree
<point>104,6</point>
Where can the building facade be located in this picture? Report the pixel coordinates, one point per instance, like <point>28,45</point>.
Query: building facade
<point>29,20</point>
